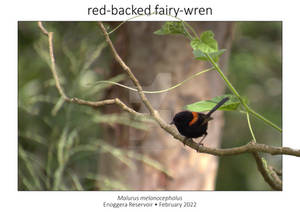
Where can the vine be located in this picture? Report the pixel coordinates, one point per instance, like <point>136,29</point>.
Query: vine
<point>205,48</point>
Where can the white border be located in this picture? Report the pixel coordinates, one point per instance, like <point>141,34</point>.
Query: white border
<point>13,11</point>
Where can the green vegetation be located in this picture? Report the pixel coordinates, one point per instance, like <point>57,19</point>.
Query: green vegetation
<point>59,143</point>
<point>255,70</point>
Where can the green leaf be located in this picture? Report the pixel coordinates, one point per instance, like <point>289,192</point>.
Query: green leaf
<point>171,27</point>
<point>232,104</point>
<point>207,37</point>
<point>214,55</point>
<point>206,44</point>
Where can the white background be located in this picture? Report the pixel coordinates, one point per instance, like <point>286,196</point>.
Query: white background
<point>13,11</point>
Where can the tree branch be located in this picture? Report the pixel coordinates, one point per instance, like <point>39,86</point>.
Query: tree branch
<point>247,148</point>
<point>219,152</point>
<point>116,101</point>
<point>275,175</point>
<point>250,147</point>
<point>267,174</point>
<point>77,100</point>
<point>127,70</point>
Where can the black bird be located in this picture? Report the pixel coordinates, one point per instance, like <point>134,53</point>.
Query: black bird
<point>194,124</point>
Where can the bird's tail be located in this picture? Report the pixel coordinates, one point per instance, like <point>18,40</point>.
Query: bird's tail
<point>217,106</point>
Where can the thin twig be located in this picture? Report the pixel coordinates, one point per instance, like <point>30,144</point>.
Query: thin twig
<point>273,181</point>
<point>77,100</point>
<point>278,172</point>
<point>247,148</point>
<point>116,101</point>
<point>220,152</point>
<point>144,99</point>
<point>158,91</point>
<point>127,70</point>
<point>53,66</point>
<point>40,24</point>
<point>264,171</point>
<point>275,175</point>
<point>250,147</point>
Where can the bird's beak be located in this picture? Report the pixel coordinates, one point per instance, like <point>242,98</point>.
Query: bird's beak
<point>172,122</point>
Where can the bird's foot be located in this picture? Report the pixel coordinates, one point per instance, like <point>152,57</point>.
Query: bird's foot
<point>184,141</point>
<point>200,144</point>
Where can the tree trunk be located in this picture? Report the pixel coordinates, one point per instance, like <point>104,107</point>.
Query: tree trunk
<point>159,62</point>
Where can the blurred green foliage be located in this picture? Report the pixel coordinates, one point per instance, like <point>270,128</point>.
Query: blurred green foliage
<point>255,71</point>
<point>59,143</point>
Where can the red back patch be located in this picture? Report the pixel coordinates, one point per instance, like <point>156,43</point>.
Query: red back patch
<point>195,118</point>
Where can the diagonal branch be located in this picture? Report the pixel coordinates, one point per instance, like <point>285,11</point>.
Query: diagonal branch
<point>77,100</point>
<point>267,174</point>
<point>116,101</point>
<point>251,147</point>
<point>218,152</point>
<point>127,70</point>
<point>247,148</point>
<point>275,175</point>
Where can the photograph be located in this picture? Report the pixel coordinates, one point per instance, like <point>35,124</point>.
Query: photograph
<point>150,106</point>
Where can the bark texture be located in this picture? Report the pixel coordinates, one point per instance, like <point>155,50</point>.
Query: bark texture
<point>160,62</point>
